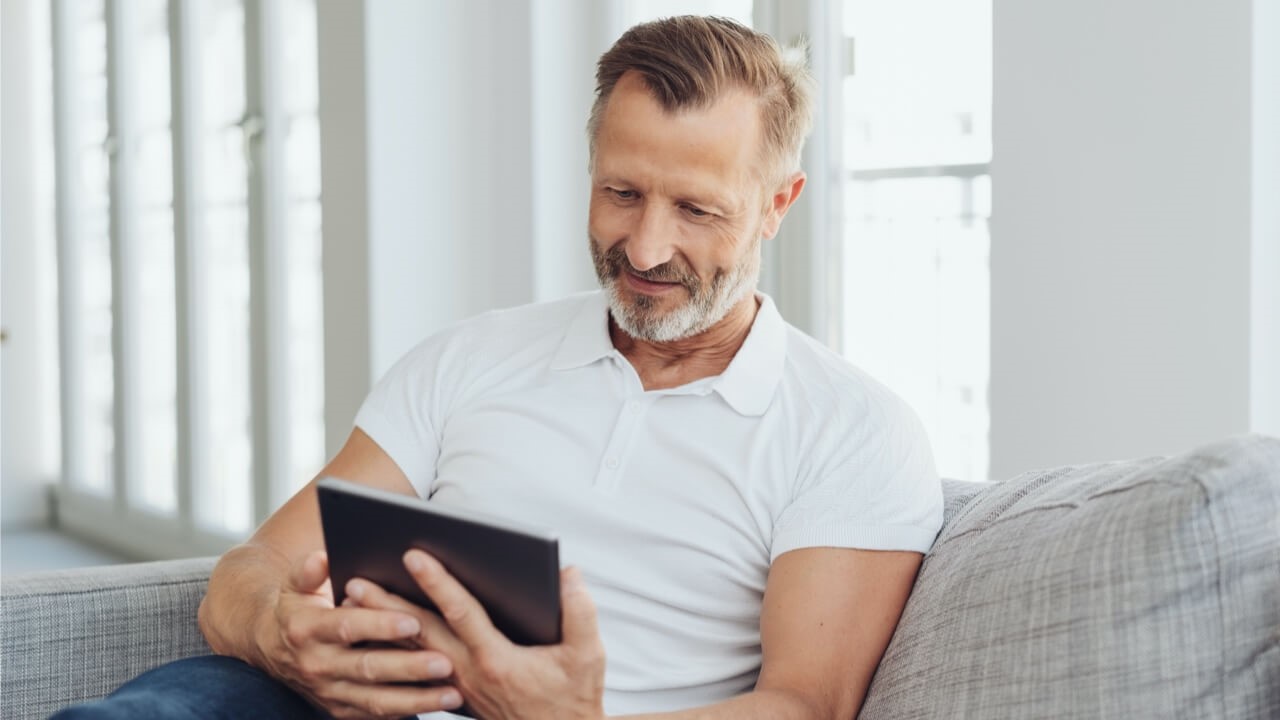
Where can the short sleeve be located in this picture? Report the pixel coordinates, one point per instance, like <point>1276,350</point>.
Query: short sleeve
<point>873,487</point>
<point>397,414</point>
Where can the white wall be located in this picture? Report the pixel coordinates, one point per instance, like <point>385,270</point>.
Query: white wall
<point>24,367</point>
<point>1122,233</point>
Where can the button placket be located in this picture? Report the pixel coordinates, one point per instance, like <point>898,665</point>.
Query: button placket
<point>615,453</point>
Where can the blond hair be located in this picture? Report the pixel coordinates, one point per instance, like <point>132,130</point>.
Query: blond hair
<point>689,62</point>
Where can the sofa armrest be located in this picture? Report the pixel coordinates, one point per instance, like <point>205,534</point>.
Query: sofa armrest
<point>74,635</point>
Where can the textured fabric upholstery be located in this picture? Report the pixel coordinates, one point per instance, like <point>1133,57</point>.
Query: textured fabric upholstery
<point>68,636</point>
<point>956,494</point>
<point>1147,588</point>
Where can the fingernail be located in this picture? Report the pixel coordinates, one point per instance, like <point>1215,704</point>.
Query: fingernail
<point>414,561</point>
<point>355,590</point>
<point>572,578</point>
<point>438,668</point>
<point>407,626</point>
<point>450,700</point>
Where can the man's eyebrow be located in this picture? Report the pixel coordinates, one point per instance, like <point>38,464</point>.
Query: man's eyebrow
<point>705,200</point>
<point>718,205</point>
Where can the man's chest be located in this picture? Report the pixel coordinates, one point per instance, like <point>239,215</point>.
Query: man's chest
<point>647,491</point>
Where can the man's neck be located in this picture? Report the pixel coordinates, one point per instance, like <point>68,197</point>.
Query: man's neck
<point>672,364</point>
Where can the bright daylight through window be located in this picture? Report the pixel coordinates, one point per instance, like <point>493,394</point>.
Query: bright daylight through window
<point>188,224</point>
<point>917,143</point>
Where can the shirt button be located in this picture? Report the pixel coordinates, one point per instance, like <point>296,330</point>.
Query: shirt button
<point>611,463</point>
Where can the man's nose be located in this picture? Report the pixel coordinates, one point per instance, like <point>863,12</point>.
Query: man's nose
<point>651,242</point>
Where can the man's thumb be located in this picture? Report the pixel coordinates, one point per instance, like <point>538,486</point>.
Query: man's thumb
<point>578,626</point>
<point>311,573</point>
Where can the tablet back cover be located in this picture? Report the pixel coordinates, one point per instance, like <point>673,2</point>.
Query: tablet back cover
<point>514,574</point>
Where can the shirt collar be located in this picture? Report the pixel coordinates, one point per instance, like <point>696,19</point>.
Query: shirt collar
<point>587,339</point>
<point>747,385</point>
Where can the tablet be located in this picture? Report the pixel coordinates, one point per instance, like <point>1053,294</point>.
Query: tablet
<point>514,571</point>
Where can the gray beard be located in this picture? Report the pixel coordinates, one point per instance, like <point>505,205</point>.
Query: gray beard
<point>708,303</point>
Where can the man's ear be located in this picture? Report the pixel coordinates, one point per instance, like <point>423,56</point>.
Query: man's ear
<point>780,202</point>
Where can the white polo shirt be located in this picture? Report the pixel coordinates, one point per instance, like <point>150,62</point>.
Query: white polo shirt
<point>672,502</point>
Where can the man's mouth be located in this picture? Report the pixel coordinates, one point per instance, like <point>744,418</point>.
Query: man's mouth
<point>649,287</point>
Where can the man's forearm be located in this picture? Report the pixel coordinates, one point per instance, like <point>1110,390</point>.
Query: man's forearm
<point>242,587</point>
<point>771,704</point>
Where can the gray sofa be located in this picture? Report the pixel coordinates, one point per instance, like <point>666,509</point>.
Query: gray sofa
<point>1143,588</point>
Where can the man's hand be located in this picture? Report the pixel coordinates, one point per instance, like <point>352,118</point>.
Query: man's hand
<point>316,649</point>
<point>498,678</point>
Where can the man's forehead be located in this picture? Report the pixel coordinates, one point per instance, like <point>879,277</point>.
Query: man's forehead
<point>638,136</point>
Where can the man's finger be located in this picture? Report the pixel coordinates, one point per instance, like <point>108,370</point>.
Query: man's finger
<point>459,608</point>
<point>578,624</point>
<point>394,700</point>
<point>371,595</point>
<point>374,665</point>
<point>435,634</point>
<point>348,626</point>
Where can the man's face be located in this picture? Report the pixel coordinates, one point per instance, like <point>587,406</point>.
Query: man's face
<point>678,210</point>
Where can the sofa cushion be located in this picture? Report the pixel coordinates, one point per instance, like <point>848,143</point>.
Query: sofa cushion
<point>1147,588</point>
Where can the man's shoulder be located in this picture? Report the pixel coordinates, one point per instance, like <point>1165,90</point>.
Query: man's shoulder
<point>828,383</point>
<point>852,419</point>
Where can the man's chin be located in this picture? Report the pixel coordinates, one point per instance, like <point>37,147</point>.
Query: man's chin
<point>639,322</point>
<point>654,333</point>
<point>651,319</point>
<point>657,327</point>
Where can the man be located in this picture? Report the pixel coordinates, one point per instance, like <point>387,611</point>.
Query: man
<point>744,513</point>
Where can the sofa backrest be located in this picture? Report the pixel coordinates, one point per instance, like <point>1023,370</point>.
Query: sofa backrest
<point>1144,588</point>
<point>956,494</point>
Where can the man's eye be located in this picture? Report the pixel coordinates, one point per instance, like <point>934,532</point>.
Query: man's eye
<point>625,194</point>
<point>696,212</point>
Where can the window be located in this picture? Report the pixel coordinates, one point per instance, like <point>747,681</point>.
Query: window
<point>917,150</point>
<point>187,200</point>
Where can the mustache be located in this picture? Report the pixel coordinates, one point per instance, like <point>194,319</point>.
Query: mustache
<point>670,271</point>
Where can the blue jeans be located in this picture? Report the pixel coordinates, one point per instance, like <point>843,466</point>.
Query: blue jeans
<point>212,687</point>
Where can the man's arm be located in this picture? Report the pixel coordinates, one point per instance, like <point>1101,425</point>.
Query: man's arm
<point>270,604</point>
<point>827,618</point>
